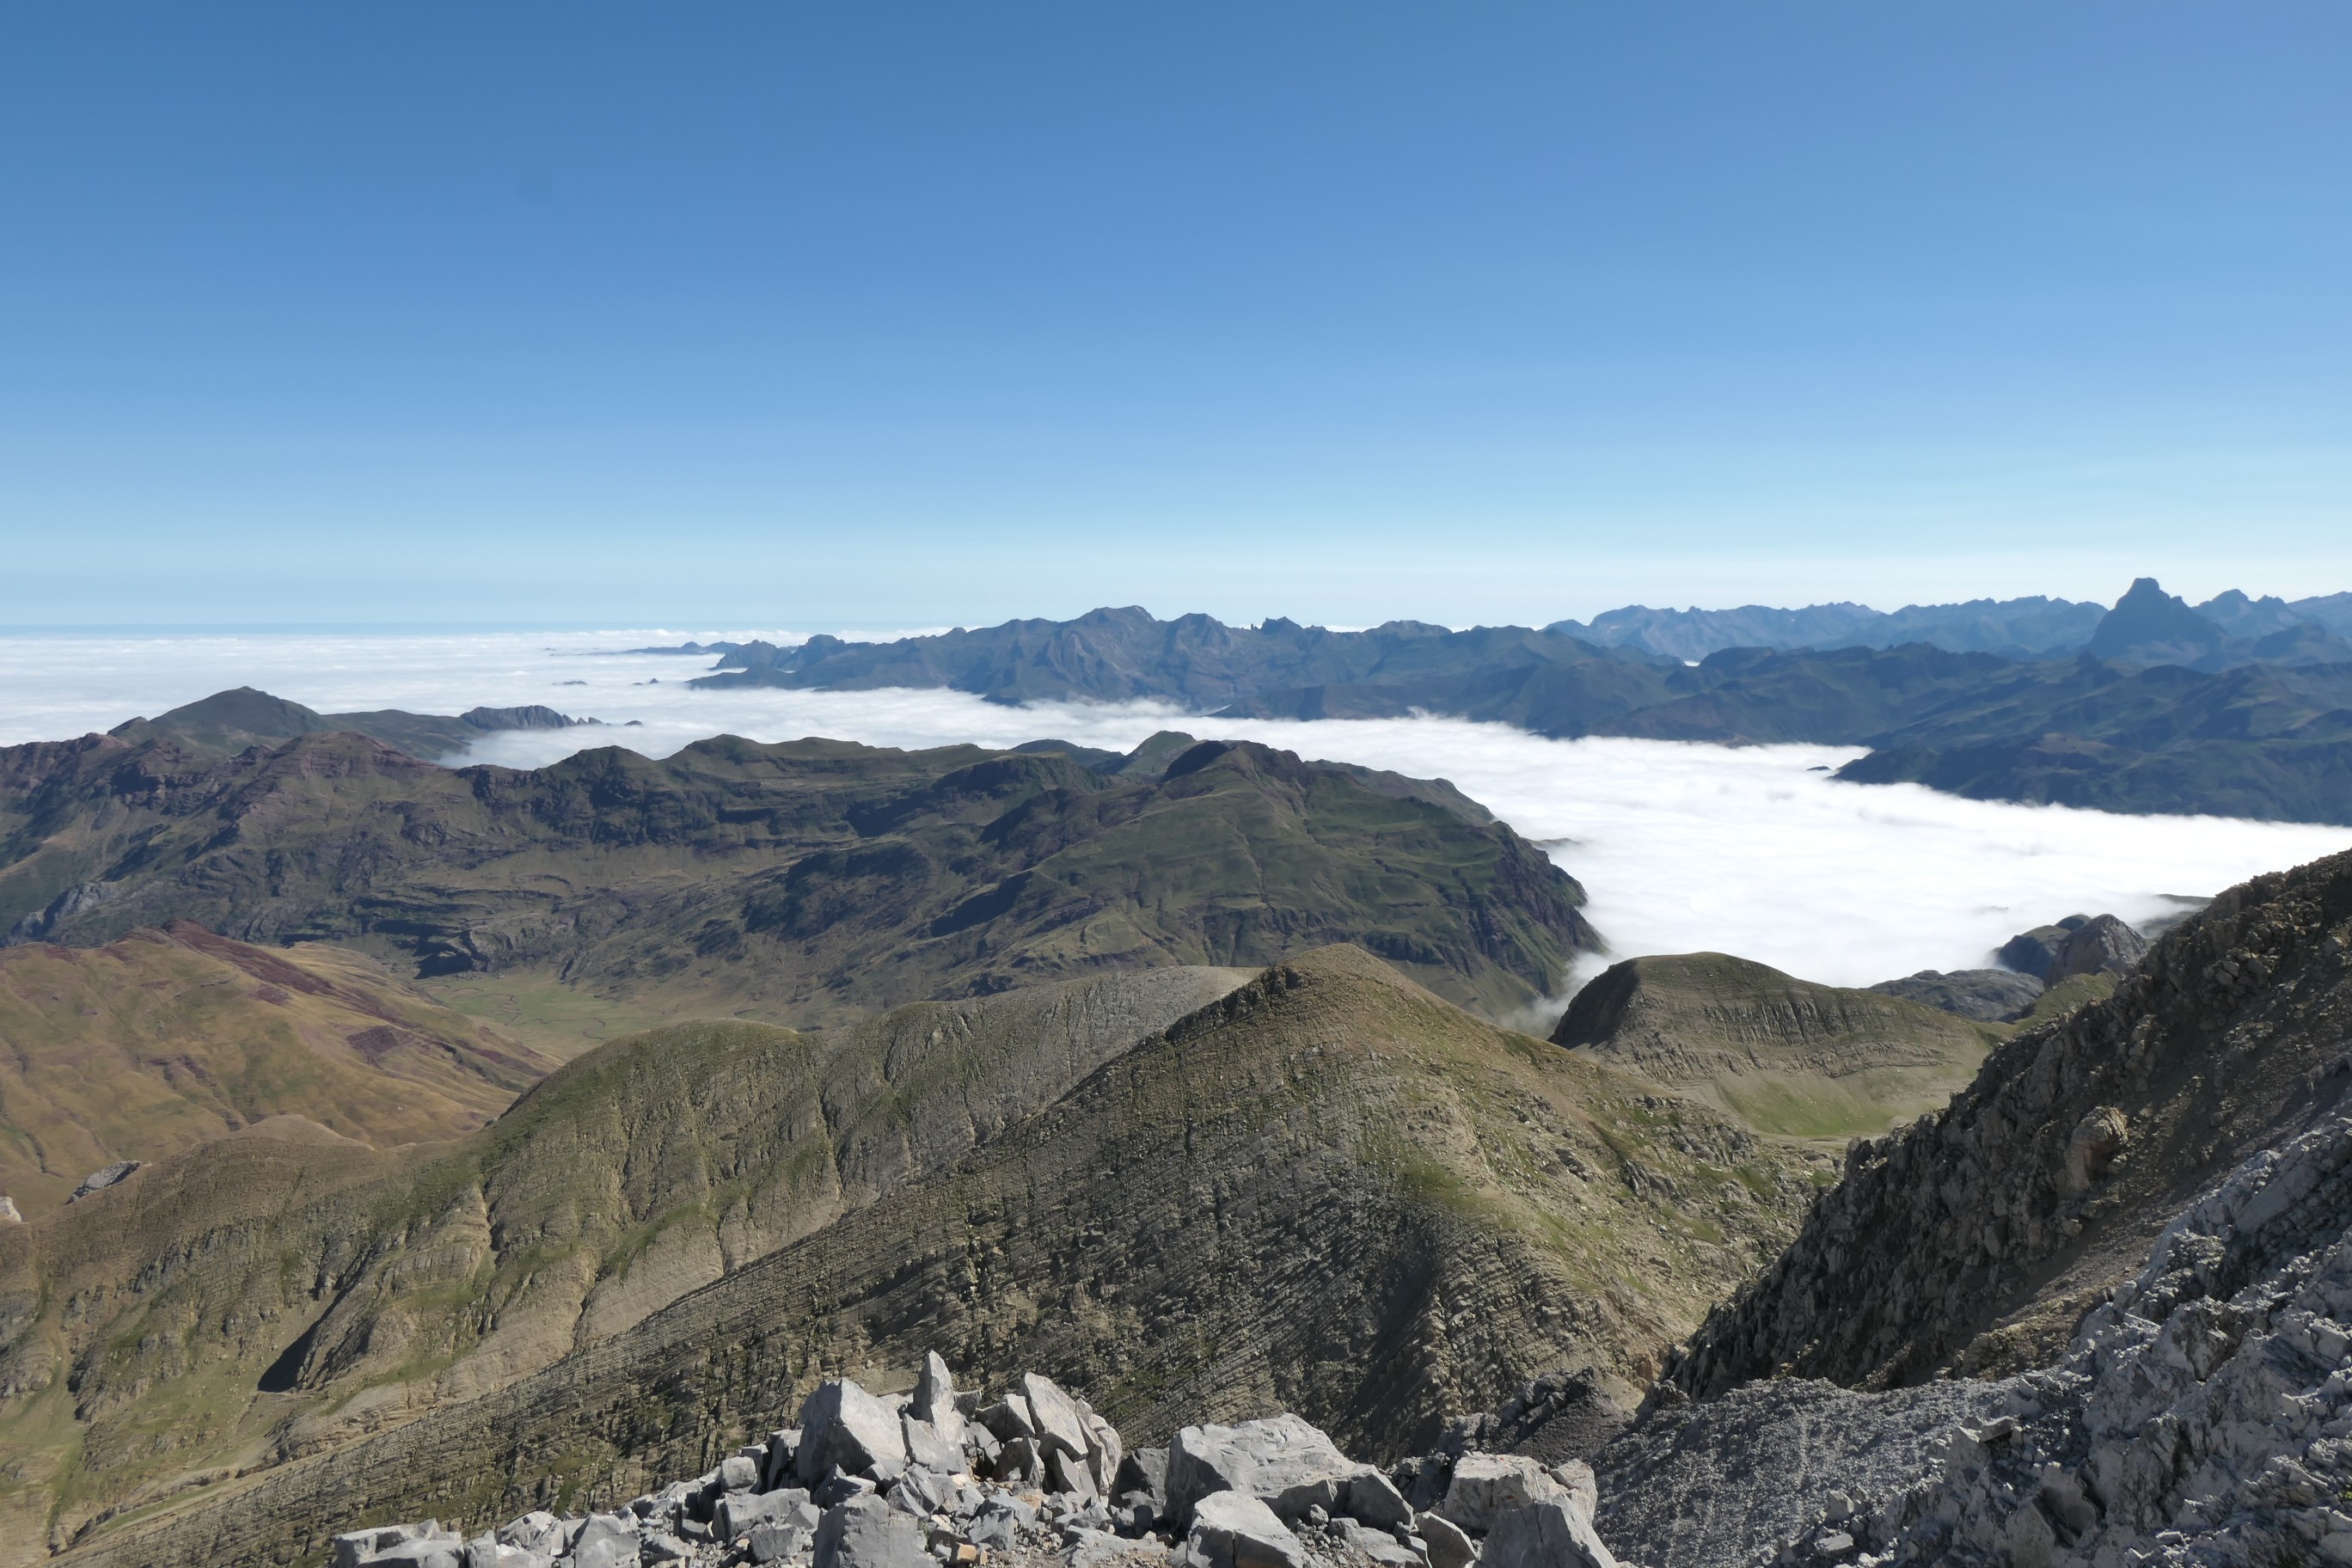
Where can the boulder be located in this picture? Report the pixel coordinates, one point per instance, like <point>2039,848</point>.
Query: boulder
<point>866,1532</point>
<point>1056,1416</point>
<point>1105,1451</point>
<point>1583,1487</point>
<point>606,1540</point>
<point>928,1446</point>
<point>99,1180</point>
<point>845,1428</point>
<point>405,1545</point>
<point>1373,1499</point>
<point>1549,1534</point>
<point>1145,1471</point>
<point>740,1473</point>
<point>1281,1461</point>
<point>1009,1418</point>
<point>737,1513</point>
<point>534,1532</point>
<point>1486,1485</point>
<point>1448,1546</point>
<point>1233,1530</point>
<point>1379,1545</point>
<point>934,1400</point>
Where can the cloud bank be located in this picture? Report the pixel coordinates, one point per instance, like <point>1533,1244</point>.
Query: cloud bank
<point>1682,848</point>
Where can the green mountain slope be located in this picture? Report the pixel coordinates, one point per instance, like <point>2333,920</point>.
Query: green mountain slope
<point>812,881</point>
<point>169,1037</point>
<point>254,1300</point>
<point>1785,1055</point>
<point>1330,1192</point>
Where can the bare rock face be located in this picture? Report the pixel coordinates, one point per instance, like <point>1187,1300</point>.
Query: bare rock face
<point>1987,995</point>
<point>2199,1416</point>
<point>1976,1239</point>
<point>2079,944</point>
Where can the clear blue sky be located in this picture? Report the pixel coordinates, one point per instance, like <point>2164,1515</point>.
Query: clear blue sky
<point>889,314</point>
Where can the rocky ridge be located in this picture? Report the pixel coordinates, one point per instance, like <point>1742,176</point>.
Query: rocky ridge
<point>2202,1417</point>
<point>1036,1477</point>
<point>1974,1239</point>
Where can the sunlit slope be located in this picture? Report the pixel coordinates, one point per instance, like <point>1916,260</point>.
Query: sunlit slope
<point>1785,1055</point>
<point>258,1297</point>
<point>167,1037</point>
<point>1330,1192</point>
<point>814,882</point>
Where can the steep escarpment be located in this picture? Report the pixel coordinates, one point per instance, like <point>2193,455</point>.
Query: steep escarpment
<point>1329,1192</point>
<point>1976,1238</point>
<point>1786,1054</point>
<point>810,883</point>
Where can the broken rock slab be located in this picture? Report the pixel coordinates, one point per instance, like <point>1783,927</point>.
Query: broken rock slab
<point>846,1428</point>
<point>866,1532</point>
<point>1553,1533</point>
<point>1233,1530</point>
<point>1487,1486</point>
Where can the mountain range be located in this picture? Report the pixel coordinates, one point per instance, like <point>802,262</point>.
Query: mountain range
<point>2157,707</point>
<point>811,881</point>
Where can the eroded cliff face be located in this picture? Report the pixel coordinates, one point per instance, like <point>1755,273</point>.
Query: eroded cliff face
<point>1975,1240</point>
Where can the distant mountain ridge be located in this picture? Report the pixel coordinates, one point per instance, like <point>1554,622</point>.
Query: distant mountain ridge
<point>2158,709</point>
<point>809,881</point>
<point>229,721</point>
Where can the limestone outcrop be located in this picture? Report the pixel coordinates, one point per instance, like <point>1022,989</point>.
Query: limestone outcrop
<point>1033,1476</point>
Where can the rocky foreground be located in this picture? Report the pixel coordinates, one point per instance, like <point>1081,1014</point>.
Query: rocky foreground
<point>937,1476</point>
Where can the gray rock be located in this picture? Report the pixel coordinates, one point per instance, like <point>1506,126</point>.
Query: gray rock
<point>739,1473</point>
<point>738,1512</point>
<point>1281,1461</point>
<point>658,1546</point>
<point>382,1543</point>
<point>774,1541</point>
<point>2101,946</point>
<point>1144,1470</point>
<point>1377,1544</point>
<point>1989,995</point>
<point>844,1427</point>
<point>534,1532</point>
<point>866,1532</point>
<point>1550,1534</point>
<point>1019,1461</point>
<point>1232,1530</point>
<point>1064,1473</point>
<point>99,1180</point>
<point>1583,1489</point>
<point>1056,1416</point>
<point>928,1446</point>
<point>934,1400</point>
<point>1105,1450</point>
<point>1374,1499</point>
<point>606,1540</point>
<point>1448,1546</point>
<point>783,1448</point>
<point>1487,1486</point>
<point>1008,1418</point>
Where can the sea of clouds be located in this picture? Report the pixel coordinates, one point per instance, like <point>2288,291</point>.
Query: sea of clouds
<point>1682,848</point>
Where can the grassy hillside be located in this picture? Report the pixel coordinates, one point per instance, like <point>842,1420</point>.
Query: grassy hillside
<point>168,1037</point>
<point>257,1298</point>
<point>1329,1190</point>
<point>1785,1055</point>
<point>818,881</point>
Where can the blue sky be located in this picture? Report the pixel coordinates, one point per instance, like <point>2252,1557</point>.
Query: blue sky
<point>902,315</point>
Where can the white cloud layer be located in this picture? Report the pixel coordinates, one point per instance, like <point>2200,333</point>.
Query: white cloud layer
<point>1681,846</point>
